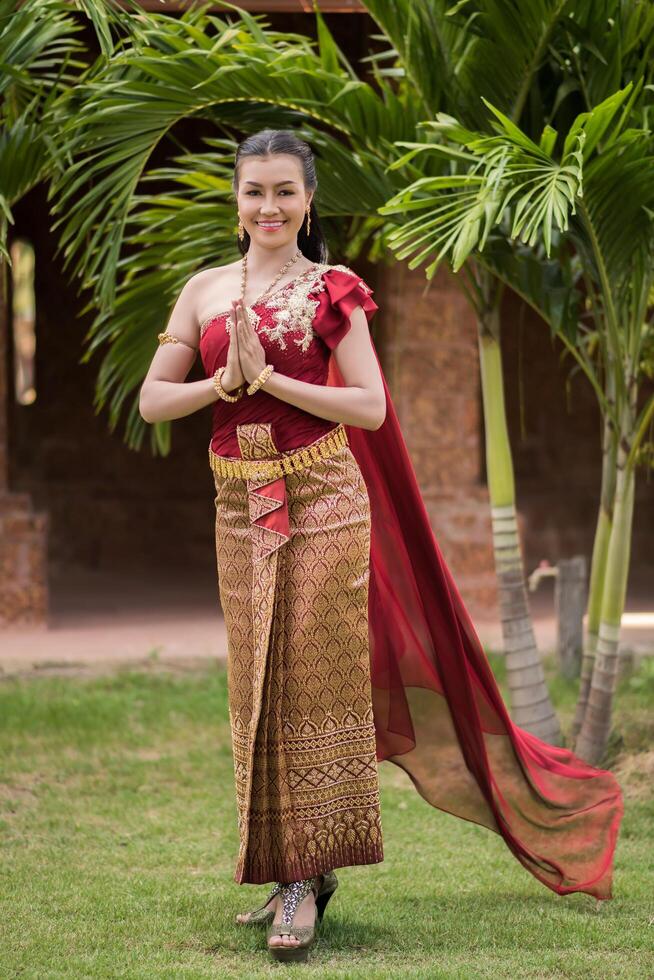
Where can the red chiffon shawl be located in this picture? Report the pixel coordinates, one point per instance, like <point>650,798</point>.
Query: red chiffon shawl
<point>438,711</point>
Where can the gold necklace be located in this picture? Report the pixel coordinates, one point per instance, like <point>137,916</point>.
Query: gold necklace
<point>279,275</point>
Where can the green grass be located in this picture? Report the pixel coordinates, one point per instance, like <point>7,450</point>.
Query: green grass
<point>118,828</point>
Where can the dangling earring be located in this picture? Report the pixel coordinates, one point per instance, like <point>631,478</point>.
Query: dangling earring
<point>241,229</point>
<point>308,218</point>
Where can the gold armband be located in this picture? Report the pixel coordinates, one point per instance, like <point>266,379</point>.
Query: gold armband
<point>169,338</point>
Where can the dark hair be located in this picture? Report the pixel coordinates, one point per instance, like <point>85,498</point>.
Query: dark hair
<point>268,141</point>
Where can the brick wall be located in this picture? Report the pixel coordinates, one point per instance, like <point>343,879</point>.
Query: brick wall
<point>427,339</point>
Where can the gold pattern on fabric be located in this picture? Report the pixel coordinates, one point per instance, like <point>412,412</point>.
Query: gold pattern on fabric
<point>292,309</point>
<point>300,700</point>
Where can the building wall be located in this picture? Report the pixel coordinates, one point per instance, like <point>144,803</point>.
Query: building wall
<point>109,506</point>
<point>427,338</point>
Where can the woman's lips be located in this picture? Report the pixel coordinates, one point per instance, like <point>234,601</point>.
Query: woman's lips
<point>274,228</point>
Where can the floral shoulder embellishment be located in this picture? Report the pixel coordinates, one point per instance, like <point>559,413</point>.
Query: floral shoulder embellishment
<point>292,308</point>
<point>293,311</point>
<point>341,268</point>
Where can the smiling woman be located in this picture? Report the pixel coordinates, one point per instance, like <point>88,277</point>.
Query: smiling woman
<point>348,641</point>
<point>273,204</point>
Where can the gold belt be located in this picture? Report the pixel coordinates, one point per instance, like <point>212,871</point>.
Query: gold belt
<point>297,459</point>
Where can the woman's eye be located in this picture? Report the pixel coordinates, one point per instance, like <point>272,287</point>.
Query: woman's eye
<point>256,192</point>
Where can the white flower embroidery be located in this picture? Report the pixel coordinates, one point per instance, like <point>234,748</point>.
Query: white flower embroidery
<point>292,308</point>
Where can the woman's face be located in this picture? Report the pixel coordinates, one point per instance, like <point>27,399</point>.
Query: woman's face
<point>271,189</point>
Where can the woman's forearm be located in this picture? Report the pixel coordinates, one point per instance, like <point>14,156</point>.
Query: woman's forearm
<point>161,401</point>
<point>351,405</point>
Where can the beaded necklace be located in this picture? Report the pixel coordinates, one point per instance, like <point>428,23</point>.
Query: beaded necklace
<point>279,275</point>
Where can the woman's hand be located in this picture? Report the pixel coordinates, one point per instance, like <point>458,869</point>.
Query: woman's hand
<point>251,354</point>
<point>232,375</point>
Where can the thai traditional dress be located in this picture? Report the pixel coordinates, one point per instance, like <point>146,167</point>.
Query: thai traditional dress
<point>348,641</point>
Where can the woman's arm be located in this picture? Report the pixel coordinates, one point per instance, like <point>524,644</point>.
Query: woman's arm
<point>164,394</point>
<point>362,402</point>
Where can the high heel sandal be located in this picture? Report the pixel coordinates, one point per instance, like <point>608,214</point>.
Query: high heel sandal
<point>266,913</point>
<point>327,888</point>
<point>323,887</point>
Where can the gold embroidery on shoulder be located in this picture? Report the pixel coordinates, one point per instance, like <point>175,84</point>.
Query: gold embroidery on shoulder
<point>292,309</point>
<point>341,268</point>
<point>345,268</point>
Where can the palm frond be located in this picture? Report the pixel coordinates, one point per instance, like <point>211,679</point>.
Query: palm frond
<point>617,223</point>
<point>40,61</point>
<point>231,78</point>
<point>453,52</point>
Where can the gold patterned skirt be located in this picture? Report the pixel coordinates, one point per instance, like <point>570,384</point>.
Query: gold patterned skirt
<point>293,570</point>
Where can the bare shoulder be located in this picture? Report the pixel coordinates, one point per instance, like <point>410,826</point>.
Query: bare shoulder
<point>213,289</point>
<point>215,278</point>
<point>216,273</point>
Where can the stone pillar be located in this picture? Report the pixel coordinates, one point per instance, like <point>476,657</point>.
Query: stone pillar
<point>23,533</point>
<point>428,347</point>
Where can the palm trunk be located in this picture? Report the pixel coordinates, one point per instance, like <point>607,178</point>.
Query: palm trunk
<point>596,727</point>
<point>597,572</point>
<point>531,707</point>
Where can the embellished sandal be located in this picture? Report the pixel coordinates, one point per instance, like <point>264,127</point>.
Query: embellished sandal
<point>265,913</point>
<point>327,888</point>
<point>323,887</point>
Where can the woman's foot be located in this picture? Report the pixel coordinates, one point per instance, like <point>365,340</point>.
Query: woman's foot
<point>304,916</point>
<point>264,914</point>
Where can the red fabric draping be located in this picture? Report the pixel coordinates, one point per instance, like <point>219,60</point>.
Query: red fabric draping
<point>438,711</point>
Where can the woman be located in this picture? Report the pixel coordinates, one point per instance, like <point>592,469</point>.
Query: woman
<point>348,642</point>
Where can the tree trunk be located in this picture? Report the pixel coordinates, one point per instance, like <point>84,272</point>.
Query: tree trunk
<point>596,727</point>
<point>531,707</point>
<point>570,597</point>
<point>597,571</point>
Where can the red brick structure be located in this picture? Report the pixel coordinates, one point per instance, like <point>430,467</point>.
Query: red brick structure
<point>428,345</point>
<point>23,533</point>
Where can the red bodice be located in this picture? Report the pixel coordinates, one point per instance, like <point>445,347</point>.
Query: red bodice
<point>298,325</point>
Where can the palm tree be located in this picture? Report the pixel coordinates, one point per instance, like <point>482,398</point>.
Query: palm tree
<point>238,74</point>
<point>619,258</point>
<point>599,196</point>
<point>622,41</point>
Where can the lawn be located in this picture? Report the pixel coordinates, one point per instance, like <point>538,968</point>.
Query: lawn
<point>118,827</point>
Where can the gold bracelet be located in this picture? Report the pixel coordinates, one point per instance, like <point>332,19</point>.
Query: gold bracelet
<point>261,380</point>
<point>217,383</point>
